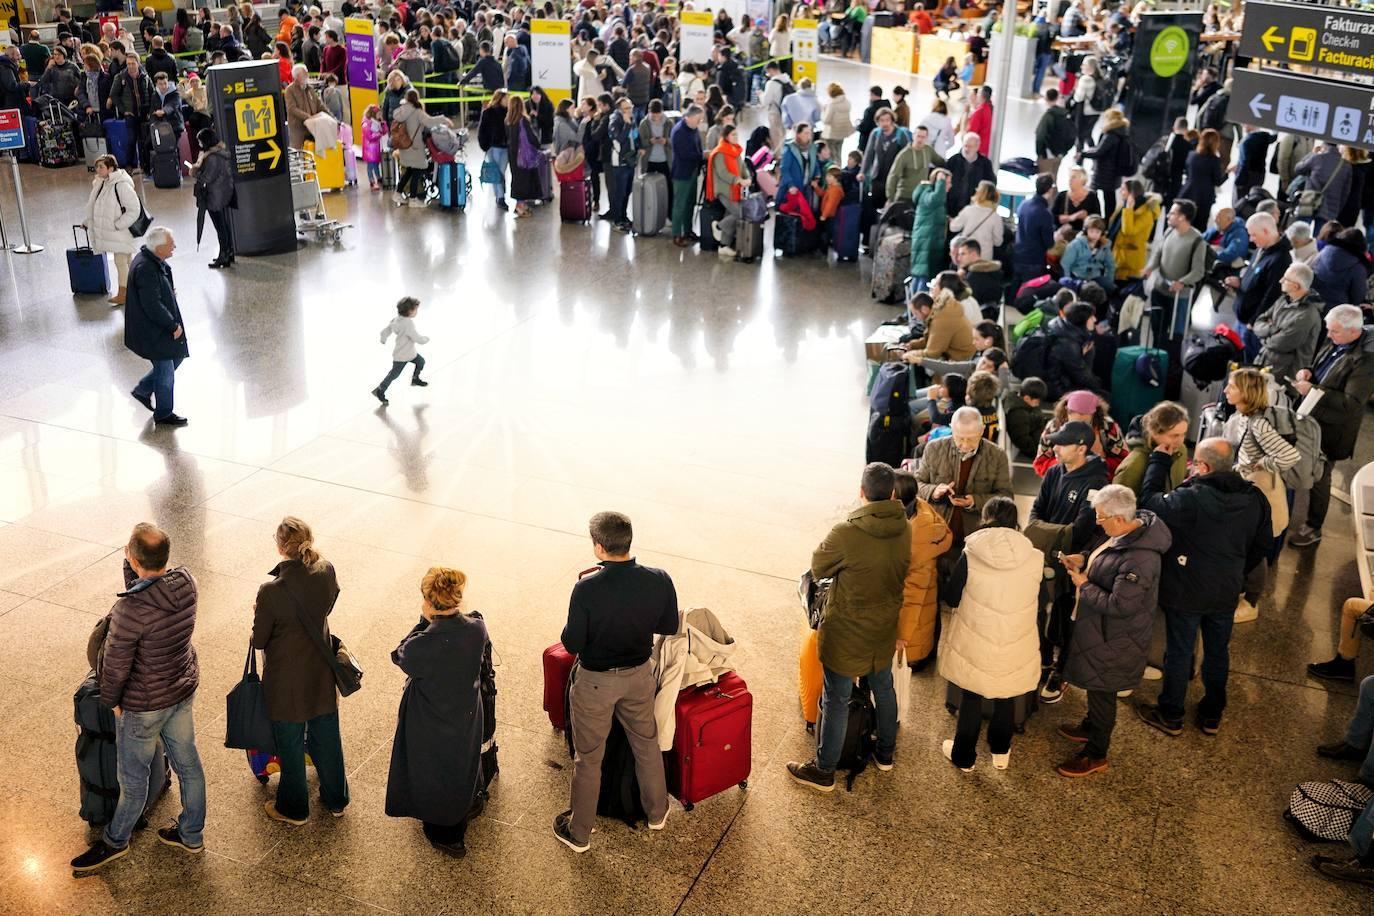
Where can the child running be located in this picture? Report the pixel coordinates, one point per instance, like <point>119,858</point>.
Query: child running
<point>403,351</point>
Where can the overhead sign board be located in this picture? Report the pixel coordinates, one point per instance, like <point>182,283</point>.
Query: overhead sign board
<point>551,57</point>
<point>1279,100</point>
<point>11,129</point>
<point>1330,37</point>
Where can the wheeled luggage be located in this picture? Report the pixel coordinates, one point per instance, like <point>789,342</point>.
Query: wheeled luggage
<point>545,171</point>
<point>711,746</point>
<point>93,144</point>
<point>711,211</point>
<point>391,171</point>
<point>889,418</point>
<point>29,153</point>
<point>791,238</point>
<point>1023,706</point>
<point>164,155</point>
<point>87,269</point>
<point>452,179</point>
<point>649,203</point>
<point>748,241</point>
<point>557,663</point>
<point>1138,378</point>
<point>120,142</point>
<point>97,762</point>
<point>57,147</point>
<point>575,200</point>
<point>184,153</point>
<point>845,239</point>
<point>891,262</point>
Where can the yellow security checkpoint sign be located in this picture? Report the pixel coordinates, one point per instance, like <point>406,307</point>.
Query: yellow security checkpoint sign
<point>255,118</point>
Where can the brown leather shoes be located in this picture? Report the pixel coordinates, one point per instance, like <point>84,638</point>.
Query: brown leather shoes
<point>1081,765</point>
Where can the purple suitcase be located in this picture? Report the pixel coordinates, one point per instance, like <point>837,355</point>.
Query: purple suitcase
<point>575,200</point>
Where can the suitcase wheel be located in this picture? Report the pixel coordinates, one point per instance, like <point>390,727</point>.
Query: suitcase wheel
<point>688,807</point>
<point>744,783</point>
<point>262,779</point>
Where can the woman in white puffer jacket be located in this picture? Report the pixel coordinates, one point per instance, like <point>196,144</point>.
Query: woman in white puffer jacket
<point>112,208</point>
<point>991,645</point>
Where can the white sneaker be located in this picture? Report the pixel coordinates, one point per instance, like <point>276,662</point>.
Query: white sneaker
<point>1153,674</point>
<point>1123,694</point>
<point>661,824</point>
<point>1245,611</point>
<point>948,748</point>
<point>1001,761</point>
<point>726,252</point>
<point>715,230</point>
<point>398,199</point>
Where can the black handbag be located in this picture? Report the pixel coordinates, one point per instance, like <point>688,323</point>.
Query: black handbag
<point>348,674</point>
<point>139,227</point>
<point>247,726</point>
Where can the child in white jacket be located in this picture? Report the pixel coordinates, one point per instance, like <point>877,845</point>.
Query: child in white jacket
<point>403,351</point>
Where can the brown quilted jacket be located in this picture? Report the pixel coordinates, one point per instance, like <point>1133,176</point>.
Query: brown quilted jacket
<point>149,661</point>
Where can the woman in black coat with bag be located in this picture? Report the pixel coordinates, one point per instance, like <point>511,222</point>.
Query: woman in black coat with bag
<point>1112,158</point>
<point>436,759</point>
<point>522,139</point>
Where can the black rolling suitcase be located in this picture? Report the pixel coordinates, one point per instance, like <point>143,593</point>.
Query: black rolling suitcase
<point>165,155</point>
<point>748,241</point>
<point>711,211</point>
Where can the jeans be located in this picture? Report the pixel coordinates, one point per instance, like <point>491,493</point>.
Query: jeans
<point>1099,723</point>
<point>136,735</point>
<point>1362,834</point>
<point>158,384</point>
<point>621,180</point>
<point>1182,629</point>
<point>970,724</point>
<point>1042,64</point>
<point>835,715</point>
<point>1360,732</point>
<point>1319,497</point>
<point>320,736</point>
<point>501,156</point>
<point>374,173</point>
<point>396,369</point>
<point>684,199</point>
<point>225,232</point>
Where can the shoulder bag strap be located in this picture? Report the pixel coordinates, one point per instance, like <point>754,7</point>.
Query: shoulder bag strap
<point>1332,177</point>
<point>316,638</point>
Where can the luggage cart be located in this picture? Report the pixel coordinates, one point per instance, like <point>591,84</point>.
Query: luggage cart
<point>308,201</point>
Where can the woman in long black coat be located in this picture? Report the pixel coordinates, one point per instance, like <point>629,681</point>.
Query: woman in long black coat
<point>436,767</point>
<point>1205,175</point>
<point>524,183</point>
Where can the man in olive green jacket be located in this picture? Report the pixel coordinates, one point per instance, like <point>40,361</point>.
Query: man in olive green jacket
<point>912,166</point>
<point>867,555</point>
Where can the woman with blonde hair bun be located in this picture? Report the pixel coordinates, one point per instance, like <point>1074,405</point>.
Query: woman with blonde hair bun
<point>297,682</point>
<point>439,771</point>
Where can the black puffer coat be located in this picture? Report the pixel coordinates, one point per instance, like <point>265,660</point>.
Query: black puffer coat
<point>149,661</point>
<point>1116,609</point>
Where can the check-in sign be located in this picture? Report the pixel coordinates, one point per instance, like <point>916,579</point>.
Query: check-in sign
<point>1329,37</point>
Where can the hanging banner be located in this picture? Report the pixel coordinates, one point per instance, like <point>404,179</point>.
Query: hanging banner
<point>697,37</point>
<point>360,45</point>
<point>551,57</point>
<point>804,52</point>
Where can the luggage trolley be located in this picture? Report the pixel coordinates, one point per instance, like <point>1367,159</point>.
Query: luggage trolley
<point>308,201</point>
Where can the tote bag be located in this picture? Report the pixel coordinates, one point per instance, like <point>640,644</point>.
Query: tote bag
<point>247,726</point>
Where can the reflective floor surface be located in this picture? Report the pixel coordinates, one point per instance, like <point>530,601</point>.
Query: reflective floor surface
<point>572,369</point>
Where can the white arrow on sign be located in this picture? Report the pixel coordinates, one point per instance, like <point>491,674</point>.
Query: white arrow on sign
<point>1258,106</point>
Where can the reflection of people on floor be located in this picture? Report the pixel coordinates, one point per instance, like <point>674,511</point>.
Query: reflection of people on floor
<point>409,447</point>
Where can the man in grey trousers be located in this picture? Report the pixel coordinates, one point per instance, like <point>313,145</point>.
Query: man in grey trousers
<point>613,616</point>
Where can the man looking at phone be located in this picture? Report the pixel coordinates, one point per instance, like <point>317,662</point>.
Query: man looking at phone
<point>961,472</point>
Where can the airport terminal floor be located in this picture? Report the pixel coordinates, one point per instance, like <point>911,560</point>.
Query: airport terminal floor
<point>572,369</point>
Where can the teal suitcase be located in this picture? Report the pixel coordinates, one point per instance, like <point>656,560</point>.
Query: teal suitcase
<point>1135,389</point>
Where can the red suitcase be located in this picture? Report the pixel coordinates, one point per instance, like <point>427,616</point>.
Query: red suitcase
<point>575,200</point>
<point>711,748</point>
<point>558,663</point>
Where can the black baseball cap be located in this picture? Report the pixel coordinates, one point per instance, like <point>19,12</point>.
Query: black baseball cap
<point>1075,432</point>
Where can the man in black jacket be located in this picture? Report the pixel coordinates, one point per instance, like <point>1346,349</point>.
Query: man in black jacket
<point>486,68</point>
<point>1258,287</point>
<point>1069,367</point>
<point>1343,372</point>
<point>1221,530</point>
<point>1065,499</point>
<point>613,616</point>
<point>868,123</point>
<point>14,92</point>
<point>152,325</point>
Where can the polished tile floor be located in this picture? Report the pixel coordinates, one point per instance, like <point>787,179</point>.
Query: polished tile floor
<point>572,369</point>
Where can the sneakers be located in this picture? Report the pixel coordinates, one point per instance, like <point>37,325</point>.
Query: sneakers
<point>419,383</point>
<point>1152,673</point>
<point>1053,689</point>
<point>270,806</point>
<point>813,777</point>
<point>562,832</point>
<point>1075,733</point>
<point>1338,669</point>
<point>97,857</point>
<point>947,748</point>
<point>1001,761</point>
<point>1306,536</point>
<point>726,252</point>
<point>1344,869</point>
<point>398,199</point>
<point>883,761</point>
<point>171,420</point>
<point>172,837</point>
<point>1151,716</point>
<point>1208,724</point>
<point>1340,750</point>
<point>1080,765</point>
<point>661,824</point>
<point>145,399</point>
<point>1245,611</point>
<point>377,393</point>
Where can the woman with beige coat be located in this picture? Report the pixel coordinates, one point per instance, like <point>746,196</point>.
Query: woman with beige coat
<point>837,121</point>
<point>114,206</point>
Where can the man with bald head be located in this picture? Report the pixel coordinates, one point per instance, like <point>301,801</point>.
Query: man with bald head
<point>1221,530</point>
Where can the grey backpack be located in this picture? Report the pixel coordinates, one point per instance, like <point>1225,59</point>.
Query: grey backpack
<point>1305,433</point>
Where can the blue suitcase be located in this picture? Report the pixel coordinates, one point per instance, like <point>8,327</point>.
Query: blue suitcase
<point>87,269</point>
<point>1135,391</point>
<point>30,151</point>
<point>452,178</point>
<point>845,241</point>
<point>120,142</point>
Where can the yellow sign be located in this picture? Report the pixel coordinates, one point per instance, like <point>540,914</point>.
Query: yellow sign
<point>804,50</point>
<point>550,27</point>
<point>1302,44</point>
<point>8,8</point>
<point>255,118</point>
<point>272,155</point>
<point>692,18</point>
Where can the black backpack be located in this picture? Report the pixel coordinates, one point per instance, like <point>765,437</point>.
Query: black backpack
<point>1213,113</point>
<point>1104,93</point>
<point>1032,356</point>
<point>1206,359</point>
<point>1126,159</point>
<point>889,420</point>
<point>1156,165</point>
<point>860,734</point>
